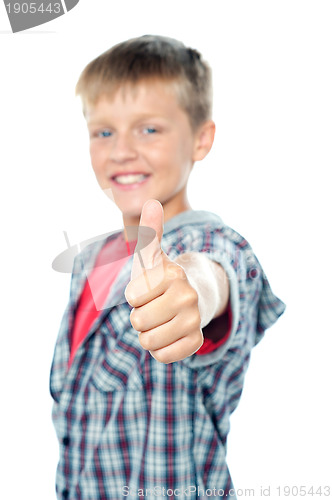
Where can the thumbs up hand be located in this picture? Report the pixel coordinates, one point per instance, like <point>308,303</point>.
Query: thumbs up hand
<point>165,306</point>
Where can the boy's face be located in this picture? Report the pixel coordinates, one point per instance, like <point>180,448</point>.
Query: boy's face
<point>142,146</point>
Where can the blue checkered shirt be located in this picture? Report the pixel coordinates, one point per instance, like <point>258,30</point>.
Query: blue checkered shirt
<point>129,426</point>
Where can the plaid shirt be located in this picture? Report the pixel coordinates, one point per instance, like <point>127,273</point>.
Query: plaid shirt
<point>131,426</point>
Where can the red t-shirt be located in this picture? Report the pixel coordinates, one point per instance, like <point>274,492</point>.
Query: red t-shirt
<point>107,267</point>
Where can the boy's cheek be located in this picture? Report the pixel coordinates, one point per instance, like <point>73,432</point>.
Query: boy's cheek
<point>97,154</point>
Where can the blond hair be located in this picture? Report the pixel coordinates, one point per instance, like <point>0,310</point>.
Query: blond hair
<point>148,58</point>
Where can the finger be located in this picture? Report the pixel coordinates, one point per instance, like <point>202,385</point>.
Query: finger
<point>161,336</point>
<point>152,314</point>
<point>181,349</point>
<point>180,326</point>
<point>148,253</point>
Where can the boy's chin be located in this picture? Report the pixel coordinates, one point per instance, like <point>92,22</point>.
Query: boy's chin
<point>131,214</point>
<point>136,207</point>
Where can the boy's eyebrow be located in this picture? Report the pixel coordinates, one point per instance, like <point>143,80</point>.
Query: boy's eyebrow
<point>94,122</point>
<point>142,116</point>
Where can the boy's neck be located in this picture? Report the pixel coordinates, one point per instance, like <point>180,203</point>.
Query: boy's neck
<point>170,211</point>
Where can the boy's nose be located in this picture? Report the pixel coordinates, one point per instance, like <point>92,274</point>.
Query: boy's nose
<point>123,148</point>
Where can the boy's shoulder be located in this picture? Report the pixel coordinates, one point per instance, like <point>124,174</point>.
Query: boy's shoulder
<point>204,226</point>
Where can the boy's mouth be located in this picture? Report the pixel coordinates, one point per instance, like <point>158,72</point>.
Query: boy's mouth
<point>129,179</point>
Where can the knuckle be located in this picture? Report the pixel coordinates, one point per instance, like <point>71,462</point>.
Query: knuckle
<point>146,341</point>
<point>197,342</point>
<point>129,294</point>
<point>200,339</point>
<point>197,318</point>
<point>135,320</point>
<point>162,357</point>
<point>193,322</point>
<point>192,296</point>
<point>174,271</point>
<point>180,272</point>
<point>189,297</point>
<point>197,345</point>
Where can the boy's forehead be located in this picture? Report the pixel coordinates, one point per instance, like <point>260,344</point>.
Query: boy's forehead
<point>141,90</point>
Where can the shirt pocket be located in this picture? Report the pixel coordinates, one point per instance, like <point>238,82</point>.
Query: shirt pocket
<point>120,365</point>
<point>115,376</point>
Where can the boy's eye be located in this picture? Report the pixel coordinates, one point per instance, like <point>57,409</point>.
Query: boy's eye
<point>149,130</point>
<point>104,133</point>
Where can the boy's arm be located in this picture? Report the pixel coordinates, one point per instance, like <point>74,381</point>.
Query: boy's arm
<point>210,281</point>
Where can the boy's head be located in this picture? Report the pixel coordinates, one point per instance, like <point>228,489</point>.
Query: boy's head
<point>149,58</point>
<point>134,84</point>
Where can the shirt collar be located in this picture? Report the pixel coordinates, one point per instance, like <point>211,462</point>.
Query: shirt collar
<point>191,217</point>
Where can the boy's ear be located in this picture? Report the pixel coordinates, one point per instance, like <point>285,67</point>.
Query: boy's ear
<point>204,138</point>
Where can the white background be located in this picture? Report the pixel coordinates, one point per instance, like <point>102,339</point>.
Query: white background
<point>267,177</point>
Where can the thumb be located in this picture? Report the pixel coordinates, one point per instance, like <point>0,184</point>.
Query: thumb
<point>148,251</point>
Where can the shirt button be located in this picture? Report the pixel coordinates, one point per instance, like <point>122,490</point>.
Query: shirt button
<point>253,273</point>
<point>66,441</point>
<point>65,494</point>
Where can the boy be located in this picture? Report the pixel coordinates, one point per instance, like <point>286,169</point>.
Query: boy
<point>143,387</point>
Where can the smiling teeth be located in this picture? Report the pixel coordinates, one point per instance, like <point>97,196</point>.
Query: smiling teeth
<point>130,179</point>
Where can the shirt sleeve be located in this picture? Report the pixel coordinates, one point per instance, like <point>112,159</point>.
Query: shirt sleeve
<point>253,305</point>
<point>216,332</point>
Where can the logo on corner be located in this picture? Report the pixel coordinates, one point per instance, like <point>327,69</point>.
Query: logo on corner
<point>24,15</point>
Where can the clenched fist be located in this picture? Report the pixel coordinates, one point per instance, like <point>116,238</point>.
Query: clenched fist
<point>165,305</point>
